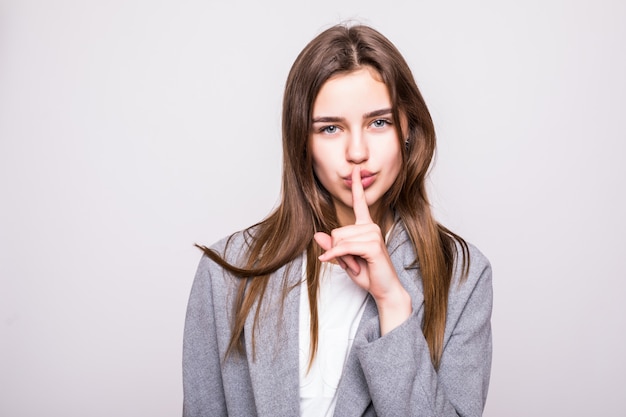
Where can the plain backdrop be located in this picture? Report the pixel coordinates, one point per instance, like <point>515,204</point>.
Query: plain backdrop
<point>130,129</point>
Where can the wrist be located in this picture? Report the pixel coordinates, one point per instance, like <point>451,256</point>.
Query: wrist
<point>393,309</point>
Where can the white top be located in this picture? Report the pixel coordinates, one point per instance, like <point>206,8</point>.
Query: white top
<point>340,306</point>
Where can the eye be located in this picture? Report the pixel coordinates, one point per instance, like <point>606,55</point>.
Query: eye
<point>380,123</point>
<point>331,129</point>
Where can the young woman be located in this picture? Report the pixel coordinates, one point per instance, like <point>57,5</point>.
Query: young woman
<point>349,299</point>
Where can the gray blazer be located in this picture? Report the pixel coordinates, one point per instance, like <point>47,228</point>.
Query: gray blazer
<point>383,376</point>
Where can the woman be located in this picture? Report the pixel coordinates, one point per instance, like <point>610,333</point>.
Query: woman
<point>349,299</point>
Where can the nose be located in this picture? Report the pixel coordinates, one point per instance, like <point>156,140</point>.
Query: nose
<point>357,150</point>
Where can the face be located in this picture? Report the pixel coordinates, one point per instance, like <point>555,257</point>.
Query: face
<point>352,125</point>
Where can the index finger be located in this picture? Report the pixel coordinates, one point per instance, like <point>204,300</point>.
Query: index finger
<point>359,204</point>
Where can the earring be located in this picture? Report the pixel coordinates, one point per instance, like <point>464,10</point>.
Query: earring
<point>407,143</point>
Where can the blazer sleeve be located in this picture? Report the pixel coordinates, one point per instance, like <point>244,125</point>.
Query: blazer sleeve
<point>397,367</point>
<point>202,380</point>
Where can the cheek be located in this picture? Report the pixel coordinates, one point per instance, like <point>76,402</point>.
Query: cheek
<point>322,161</point>
<point>316,170</point>
<point>319,171</point>
<point>392,155</point>
<point>323,174</point>
<point>398,162</point>
<point>394,162</point>
<point>315,161</point>
<point>314,153</point>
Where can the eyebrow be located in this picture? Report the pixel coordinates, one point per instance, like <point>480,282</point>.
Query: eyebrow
<point>330,119</point>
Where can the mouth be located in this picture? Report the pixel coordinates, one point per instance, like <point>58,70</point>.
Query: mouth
<point>367,179</point>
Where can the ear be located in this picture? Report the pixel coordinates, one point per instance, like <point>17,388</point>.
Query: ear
<point>404,129</point>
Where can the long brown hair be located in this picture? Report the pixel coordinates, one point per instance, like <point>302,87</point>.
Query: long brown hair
<point>306,207</point>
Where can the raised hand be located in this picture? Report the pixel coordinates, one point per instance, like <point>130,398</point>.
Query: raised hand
<point>360,249</point>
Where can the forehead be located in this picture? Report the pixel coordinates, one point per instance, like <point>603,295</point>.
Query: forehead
<point>357,91</point>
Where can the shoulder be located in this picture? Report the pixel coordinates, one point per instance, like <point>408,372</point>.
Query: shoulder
<point>477,263</point>
<point>472,278</point>
<point>211,275</point>
<point>234,248</point>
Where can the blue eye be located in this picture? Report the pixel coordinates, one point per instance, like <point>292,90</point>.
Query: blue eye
<point>379,123</point>
<point>329,129</point>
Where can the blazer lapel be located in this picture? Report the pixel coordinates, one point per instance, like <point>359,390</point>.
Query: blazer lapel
<point>274,372</point>
<point>353,396</point>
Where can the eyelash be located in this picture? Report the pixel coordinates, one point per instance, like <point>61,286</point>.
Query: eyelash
<point>386,122</point>
<point>325,129</point>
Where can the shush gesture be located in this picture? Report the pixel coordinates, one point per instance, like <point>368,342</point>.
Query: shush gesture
<point>351,129</point>
<point>361,251</point>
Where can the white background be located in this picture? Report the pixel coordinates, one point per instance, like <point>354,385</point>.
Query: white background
<point>130,129</point>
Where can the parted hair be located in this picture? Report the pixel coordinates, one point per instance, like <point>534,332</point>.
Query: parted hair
<point>305,207</point>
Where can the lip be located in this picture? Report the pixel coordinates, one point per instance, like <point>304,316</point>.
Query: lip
<point>367,179</point>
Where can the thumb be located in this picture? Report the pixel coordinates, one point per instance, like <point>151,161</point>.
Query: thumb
<point>347,262</point>
<point>324,240</point>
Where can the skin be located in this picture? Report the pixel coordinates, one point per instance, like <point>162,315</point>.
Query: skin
<point>353,145</point>
<point>353,125</point>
